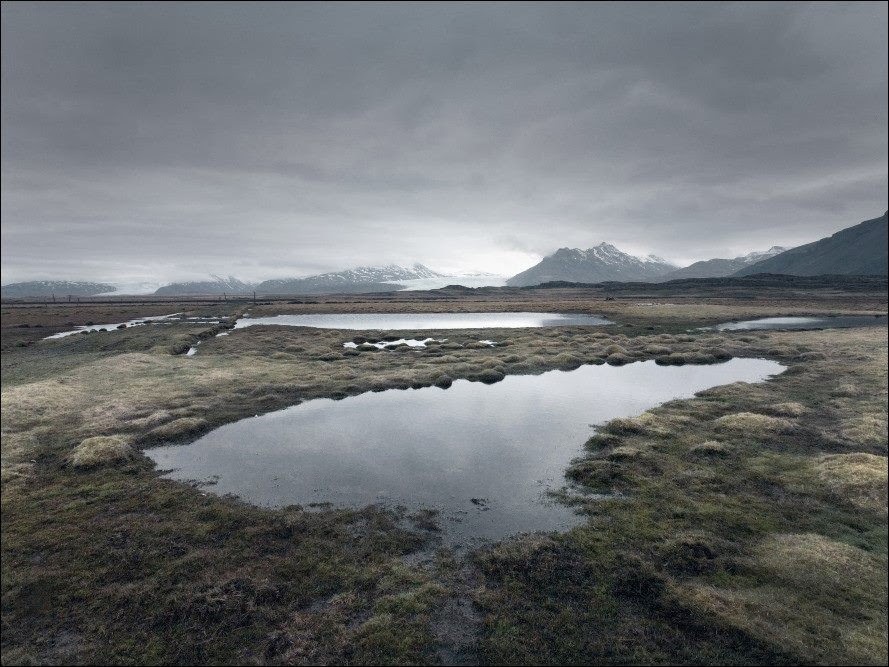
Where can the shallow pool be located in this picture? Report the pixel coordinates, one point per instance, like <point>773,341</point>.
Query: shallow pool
<point>414,321</point>
<point>483,455</point>
<point>839,322</point>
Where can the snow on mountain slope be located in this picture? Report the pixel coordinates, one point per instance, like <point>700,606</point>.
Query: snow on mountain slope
<point>599,264</point>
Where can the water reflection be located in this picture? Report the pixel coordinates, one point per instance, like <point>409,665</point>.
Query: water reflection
<point>484,455</point>
<point>840,322</point>
<point>414,321</point>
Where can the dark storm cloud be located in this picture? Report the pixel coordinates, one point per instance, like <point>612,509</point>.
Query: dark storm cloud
<point>169,140</point>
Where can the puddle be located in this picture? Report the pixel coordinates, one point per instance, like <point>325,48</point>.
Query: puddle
<point>383,344</point>
<point>413,321</point>
<point>484,456</point>
<point>840,322</point>
<point>140,321</point>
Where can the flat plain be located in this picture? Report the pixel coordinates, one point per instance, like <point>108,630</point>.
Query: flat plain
<point>745,525</point>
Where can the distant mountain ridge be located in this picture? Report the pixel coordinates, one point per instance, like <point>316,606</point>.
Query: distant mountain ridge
<point>718,268</point>
<point>857,250</point>
<point>60,288</point>
<point>218,285</point>
<point>359,279</point>
<point>602,263</point>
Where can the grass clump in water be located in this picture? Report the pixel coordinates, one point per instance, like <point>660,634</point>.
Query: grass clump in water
<point>178,428</point>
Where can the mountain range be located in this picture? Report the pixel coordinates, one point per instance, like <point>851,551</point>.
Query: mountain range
<point>857,250</point>
<point>719,268</point>
<point>61,289</point>
<point>360,279</point>
<point>218,285</point>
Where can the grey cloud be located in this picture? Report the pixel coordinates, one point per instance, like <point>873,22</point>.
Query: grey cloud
<point>270,139</point>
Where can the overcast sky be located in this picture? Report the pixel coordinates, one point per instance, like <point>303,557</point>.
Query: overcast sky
<point>165,141</point>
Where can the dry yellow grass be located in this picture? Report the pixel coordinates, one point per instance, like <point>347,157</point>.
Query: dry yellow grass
<point>867,428</point>
<point>814,562</point>
<point>648,424</point>
<point>789,409</point>
<point>816,582</point>
<point>792,624</point>
<point>101,450</point>
<point>179,428</point>
<point>753,424</point>
<point>709,448</point>
<point>859,478</point>
<point>626,452</point>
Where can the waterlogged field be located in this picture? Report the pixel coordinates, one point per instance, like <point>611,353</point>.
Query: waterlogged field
<point>745,524</point>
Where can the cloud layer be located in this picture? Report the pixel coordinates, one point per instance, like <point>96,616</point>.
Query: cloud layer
<point>169,141</point>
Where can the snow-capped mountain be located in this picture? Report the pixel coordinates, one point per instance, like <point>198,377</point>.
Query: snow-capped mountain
<point>752,257</point>
<point>218,285</point>
<point>379,274</point>
<point>602,263</point>
<point>360,279</point>
<point>718,268</point>
<point>61,289</point>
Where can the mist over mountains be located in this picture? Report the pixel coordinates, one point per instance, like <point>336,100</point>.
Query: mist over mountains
<point>719,268</point>
<point>857,250</point>
<point>360,279</point>
<point>60,288</point>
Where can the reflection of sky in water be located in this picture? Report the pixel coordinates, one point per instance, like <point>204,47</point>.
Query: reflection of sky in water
<point>506,443</point>
<point>110,327</point>
<point>412,321</point>
<point>410,342</point>
<point>137,322</point>
<point>804,323</point>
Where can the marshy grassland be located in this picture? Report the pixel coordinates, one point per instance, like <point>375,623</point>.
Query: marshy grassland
<point>745,525</point>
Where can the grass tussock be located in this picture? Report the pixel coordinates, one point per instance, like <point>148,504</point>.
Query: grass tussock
<point>101,450</point>
<point>859,478</point>
<point>178,428</point>
<point>710,448</point>
<point>815,562</point>
<point>753,424</point>
<point>810,585</point>
<point>788,409</point>
<point>647,424</point>
<point>618,359</point>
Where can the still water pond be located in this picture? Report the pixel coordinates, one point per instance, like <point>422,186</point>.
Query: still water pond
<point>840,322</point>
<point>413,321</point>
<point>483,455</point>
